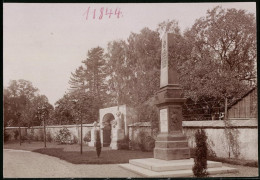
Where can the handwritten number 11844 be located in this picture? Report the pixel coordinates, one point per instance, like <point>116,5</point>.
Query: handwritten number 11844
<point>93,13</point>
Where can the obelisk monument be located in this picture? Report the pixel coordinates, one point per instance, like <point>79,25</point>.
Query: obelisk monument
<point>171,143</point>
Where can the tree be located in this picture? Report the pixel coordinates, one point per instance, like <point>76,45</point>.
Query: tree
<point>143,57</point>
<point>62,111</point>
<point>96,74</point>
<point>220,56</point>
<point>201,152</point>
<point>224,47</point>
<point>17,98</point>
<point>118,73</point>
<point>67,112</point>
<point>78,78</point>
<point>90,79</point>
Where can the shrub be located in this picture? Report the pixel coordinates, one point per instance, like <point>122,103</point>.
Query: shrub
<point>48,137</point>
<point>6,136</point>
<point>87,137</point>
<point>200,160</point>
<point>145,142</point>
<point>63,136</point>
<point>25,137</point>
<point>124,143</point>
<point>98,144</point>
<point>16,134</point>
<point>141,140</point>
<point>75,139</point>
<point>30,135</point>
<point>41,135</point>
<point>149,143</point>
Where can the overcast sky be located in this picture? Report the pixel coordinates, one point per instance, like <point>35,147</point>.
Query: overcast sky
<point>44,43</point>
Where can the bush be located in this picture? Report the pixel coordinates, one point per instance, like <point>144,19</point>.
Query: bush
<point>6,136</point>
<point>75,139</point>
<point>141,140</point>
<point>145,143</point>
<point>124,143</point>
<point>24,138</point>
<point>41,135</point>
<point>63,136</point>
<point>87,137</point>
<point>16,134</point>
<point>149,143</point>
<point>48,137</point>
<point>200,160</point>
<point>98,144</point>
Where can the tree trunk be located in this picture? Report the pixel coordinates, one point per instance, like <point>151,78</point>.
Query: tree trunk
<point>226,112</point>
<point>44,132</point>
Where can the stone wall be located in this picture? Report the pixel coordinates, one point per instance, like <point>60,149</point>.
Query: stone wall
<point>37,131</point>
<point>245,135</point>
<point>244,132</point>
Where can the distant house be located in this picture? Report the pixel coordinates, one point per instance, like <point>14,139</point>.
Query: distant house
<point>245,107</point>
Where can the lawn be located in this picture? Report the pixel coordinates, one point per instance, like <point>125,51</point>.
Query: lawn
<point>71,153</point>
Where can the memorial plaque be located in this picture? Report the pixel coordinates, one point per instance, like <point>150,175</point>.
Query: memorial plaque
<point>164,120</point>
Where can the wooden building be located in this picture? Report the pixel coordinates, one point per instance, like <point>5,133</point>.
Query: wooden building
<point>245,107</point>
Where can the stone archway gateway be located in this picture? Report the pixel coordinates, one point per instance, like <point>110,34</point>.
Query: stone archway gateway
<point>114,123</point>
<point>106,124</point>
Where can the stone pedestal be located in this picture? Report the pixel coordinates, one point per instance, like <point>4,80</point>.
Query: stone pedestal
<point>117,135</point>
<point>171,143</point>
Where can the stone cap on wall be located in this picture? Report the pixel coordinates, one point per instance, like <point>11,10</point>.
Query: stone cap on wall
<point>56,126</point>
<point>252,123</point>
<point>143,124</point>
<point>221,124</point>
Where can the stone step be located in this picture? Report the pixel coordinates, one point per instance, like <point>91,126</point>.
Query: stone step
<point>172,165</point>
<point>178,173</point>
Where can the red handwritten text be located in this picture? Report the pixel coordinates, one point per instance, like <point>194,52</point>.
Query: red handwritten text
<point>101,13</point>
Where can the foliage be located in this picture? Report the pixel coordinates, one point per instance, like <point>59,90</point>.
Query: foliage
<point>49,137</point>
<point>232,143</point>
<point>98,144</point>
<point>16,134</point>
<point>6,135</point>
<point>145,142</point>
<point>41,135</point>
<point>87,137</point>
<point>222,54</point>
<point>89,79</point>
<point>201,152</point>
<point>124,143</point>
<point>75,140</point>
<point>74,107</point>
<point>63,136</point>
<point>21,97</point>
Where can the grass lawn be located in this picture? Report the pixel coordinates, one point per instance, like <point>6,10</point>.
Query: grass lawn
<point>71,153</point>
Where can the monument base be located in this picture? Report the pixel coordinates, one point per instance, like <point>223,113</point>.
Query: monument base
<point>152,167</point>
<point>171,147</point>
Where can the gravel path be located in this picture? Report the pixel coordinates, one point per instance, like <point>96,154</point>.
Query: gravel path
<point>26,164</point>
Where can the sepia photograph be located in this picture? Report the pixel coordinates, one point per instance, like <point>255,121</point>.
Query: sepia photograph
<point>130,90</point>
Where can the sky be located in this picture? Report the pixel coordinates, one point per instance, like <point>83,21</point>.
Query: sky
<point>44,43</point>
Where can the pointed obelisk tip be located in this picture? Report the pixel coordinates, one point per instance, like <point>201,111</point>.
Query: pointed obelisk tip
<point>169,75</point>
